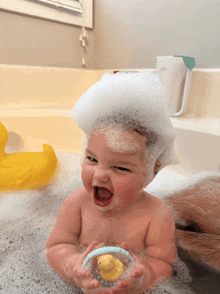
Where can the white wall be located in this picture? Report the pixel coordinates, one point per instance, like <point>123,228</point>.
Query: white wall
<point>131,33</point>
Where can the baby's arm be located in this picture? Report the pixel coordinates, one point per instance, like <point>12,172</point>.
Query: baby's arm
<point>160,253</point>
<point>160,249</point>
<point>62,253</point>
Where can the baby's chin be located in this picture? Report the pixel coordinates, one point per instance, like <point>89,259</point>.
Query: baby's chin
<point>109,207</point>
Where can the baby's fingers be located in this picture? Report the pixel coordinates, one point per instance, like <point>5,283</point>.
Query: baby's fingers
<point>89,249</point>
<point>137,272</point>
<point>89,284</point>
<point>84,280</point>
<point>79,272</point>
<point>125,246</point>
<point>116,292</point>
<point>124,283</point>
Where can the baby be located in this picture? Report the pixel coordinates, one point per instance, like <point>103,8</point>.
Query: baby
<point>125,149</point>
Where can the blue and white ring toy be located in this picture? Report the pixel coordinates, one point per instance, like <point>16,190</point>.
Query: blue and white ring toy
<point>101,251</point>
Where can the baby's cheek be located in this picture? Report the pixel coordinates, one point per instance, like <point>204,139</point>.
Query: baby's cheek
<point>86,176</point>
<point>127,192</point>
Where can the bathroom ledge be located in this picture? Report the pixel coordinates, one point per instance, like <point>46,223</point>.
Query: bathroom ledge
<point>34,112</point>
<point>207,125</point>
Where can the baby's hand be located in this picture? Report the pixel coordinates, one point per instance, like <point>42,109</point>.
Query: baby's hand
<point>133,283</point>
<point>136,275</point>
<point>82,277</point>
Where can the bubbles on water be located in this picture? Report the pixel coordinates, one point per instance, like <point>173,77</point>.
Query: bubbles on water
<point>181,272</point>
<point>134,100</point>
<point>26,220</point>
<point>167,182</point>
<point>177,284</point>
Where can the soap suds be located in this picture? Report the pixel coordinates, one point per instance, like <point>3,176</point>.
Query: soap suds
<point>134,100</point>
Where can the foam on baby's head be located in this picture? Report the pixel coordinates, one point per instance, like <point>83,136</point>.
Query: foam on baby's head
<point>133,100</point>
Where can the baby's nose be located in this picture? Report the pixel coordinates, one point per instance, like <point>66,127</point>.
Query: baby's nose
<point>101,176</point>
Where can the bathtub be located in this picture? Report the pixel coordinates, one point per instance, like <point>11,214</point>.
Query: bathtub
<point>197,145</point>
<point>37,110</point>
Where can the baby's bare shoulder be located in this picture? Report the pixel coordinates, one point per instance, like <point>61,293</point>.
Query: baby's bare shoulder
<point>77,197</point>
<point>160,215</point>
<point>68,224</point>
<point>157,206</point>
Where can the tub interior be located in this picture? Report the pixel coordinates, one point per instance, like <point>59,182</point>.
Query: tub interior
<point>29,130</point>
<point>197,145</point>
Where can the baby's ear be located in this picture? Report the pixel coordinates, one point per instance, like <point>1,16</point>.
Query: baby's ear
<point>157,166</point>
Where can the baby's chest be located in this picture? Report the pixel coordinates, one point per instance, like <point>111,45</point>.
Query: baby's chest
<point>129,230</point>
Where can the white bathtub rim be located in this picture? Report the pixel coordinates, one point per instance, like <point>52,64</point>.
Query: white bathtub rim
<point>207,125</point>
<point>35,112</point>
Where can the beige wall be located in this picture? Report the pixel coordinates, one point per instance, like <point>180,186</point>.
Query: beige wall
<point>127,34</point>
<point>31,41</point>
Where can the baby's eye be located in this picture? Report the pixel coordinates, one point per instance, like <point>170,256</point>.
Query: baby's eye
<point>122,168</point>
<point>91,159</point>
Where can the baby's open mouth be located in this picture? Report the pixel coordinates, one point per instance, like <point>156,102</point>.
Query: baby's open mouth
<point>102,196</point>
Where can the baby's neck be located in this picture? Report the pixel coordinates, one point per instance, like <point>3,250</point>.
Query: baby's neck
<point>117,212</point>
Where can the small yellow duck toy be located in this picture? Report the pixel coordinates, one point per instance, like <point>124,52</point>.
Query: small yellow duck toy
<point>27,170</point>
<point>110,268</point>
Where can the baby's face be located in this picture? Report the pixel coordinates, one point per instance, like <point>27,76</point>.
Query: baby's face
<point>115,174</point>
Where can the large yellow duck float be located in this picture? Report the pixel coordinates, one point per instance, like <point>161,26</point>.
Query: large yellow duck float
<point>110,268</point>
<point>26,170</point>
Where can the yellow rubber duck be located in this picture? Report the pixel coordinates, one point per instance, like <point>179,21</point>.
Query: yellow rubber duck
<point>110,268</point>
<point>27,170</point>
